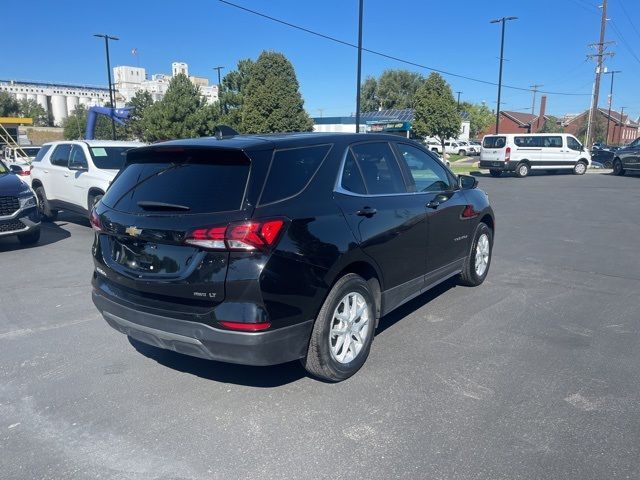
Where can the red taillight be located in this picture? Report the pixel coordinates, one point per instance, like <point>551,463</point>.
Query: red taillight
<point>507,154</point>
<point>238,236</point>
<point>246,327</point>
<point>25,173</point>
<point>94,220</point>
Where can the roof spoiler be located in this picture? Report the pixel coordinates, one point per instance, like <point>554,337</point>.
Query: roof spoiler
<point>223,131</point>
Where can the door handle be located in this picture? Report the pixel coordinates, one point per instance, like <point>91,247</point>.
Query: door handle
<point>366,212</point>
<point>66,174</point>
<point>46,171</point>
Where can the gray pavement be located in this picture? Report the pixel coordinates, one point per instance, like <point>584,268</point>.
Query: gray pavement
<point>533,375</point>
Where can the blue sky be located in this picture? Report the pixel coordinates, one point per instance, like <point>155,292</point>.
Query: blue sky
<point>546,45</point>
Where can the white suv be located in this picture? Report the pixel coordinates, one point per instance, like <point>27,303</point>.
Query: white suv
<point>73,175</point>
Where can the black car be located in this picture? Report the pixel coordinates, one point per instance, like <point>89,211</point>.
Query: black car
<point>18,207</point>
<point>627,158</point>
<point>265,249</point>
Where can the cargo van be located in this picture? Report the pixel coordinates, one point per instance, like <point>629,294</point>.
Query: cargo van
<point>521,153</point>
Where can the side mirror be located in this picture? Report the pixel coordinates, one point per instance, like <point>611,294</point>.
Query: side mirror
<point>17,169</point>
<point>467,182</point>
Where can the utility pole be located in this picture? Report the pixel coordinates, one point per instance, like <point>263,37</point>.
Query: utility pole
<point>612,73</point>
<point>321,110</point>
<point>502,20</point>
<point>111,92</point>
<point>359,74</point>
<point>534,88</point>
<point>459,99</point>
<point>219,89</point>
<point>622,124</point>
<point>601,45</point>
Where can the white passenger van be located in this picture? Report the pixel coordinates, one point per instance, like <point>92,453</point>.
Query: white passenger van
<point>523,152</point>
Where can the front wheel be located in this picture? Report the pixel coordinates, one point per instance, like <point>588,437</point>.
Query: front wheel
<point>522,170</point>
<point>580,168</point>
<point>617,167</point>
<point>478,261</point>
<point>47,214</point>
<point>343,332</point>
<point>495,173</point>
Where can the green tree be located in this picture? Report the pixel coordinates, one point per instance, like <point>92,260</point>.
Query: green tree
<point>74,126</point>
<point>139,104</point>
<point>436,112</point>
<point>234,85</point>
<point>32,109</point>
<point>8,105</point>
<point>480,117</point>
<point>177,115</point>
<point>369,101</point>
<point>397,88</point>
<point>551,125</point>
<point>272,101</point>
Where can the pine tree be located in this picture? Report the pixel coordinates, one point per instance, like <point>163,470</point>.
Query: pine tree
<point>272,102</point>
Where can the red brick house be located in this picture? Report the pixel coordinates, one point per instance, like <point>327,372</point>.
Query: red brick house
<point>622,129</point>
<point>519,122</point>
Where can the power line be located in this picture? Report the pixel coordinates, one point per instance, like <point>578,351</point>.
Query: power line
<point>387,56</point>
<point>624,41</point>
<point>624,10</point>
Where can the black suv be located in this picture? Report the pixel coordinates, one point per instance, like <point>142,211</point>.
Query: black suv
<point>18,207</point>
<point>627,158</point>
<point>265,249</point>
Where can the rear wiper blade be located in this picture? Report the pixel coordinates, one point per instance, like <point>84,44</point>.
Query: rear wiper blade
<point>150,205</point>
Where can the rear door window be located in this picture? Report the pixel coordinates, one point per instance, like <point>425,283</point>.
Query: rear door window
<point>60,156</point>
<point>196,181</point>
<point>551,142</point>
<point>379,168</point>
<point>352,180</point>
<point>291,171</point>
<point>494,142</point>
<point>527,142</point>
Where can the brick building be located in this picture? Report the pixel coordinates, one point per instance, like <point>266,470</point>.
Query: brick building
<point>622,129</point>
<point>519,122</point>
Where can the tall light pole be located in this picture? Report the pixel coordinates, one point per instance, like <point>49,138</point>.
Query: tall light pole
<point>612,73</point>
<point>111,94</point>
<point>502,20</point>
<point>219,89</point>
<point>359,75</point>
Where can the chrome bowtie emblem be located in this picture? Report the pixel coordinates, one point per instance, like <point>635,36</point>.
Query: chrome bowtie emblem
<point>133,231</point>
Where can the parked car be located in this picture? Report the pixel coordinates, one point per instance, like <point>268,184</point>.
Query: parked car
<point>465,148</point>
<point>73,175</point>
<point>434,146</point>
<point>521,153</point>
<point>24,154</point>
<point>265,249</point>
<point>627,158</point>
<point>605,157</point>
<point>18,207</point>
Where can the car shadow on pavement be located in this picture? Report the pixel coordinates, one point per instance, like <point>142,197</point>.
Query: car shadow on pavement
<point>49,233</point>
<point>250,376</point>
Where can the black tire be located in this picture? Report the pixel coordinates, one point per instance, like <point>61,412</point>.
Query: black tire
<point>46,212</point>
<point>495,173</point>
<point>463,152</point>
<point>580,168</point>
<point>617,167</point>
<point>469,275</point>
<point>30,238</point>
<point>522,170</point>
<point>608,164</point>
<point>319,360</point>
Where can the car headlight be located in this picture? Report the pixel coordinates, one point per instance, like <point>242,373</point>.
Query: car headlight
<point>28,201</point>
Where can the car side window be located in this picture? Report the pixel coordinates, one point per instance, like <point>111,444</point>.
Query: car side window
<point>41,153</point>
<point>379,168</point>
<point>427,173</point>
<point>552,142</point>
<point>352,180</point>
<point>77,157</point>
<point>60,156</point>
<point>573,144</point>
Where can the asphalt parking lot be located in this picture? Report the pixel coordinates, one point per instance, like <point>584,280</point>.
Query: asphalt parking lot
<point>533,375</point>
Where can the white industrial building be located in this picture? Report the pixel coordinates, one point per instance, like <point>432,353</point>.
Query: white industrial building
<point>58,100</point>
<point>130,80</point>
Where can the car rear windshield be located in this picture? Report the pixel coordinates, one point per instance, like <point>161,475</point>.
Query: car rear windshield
<point>494,142</point>
<point>31,151</point>
<point>41,153</point>
<point>108,158</point>
<point>188,181</point>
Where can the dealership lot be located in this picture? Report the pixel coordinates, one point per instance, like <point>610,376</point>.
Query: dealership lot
<point>532,375</point>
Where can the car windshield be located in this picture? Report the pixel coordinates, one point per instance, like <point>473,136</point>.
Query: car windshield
<point>109,158</point>
<point>3,168</point>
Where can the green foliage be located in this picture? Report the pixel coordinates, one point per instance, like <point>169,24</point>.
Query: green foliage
<point>272,100</point>
<point>32,109</point>
<point>8,105</point>
<point>480,117</point>
<point>436,112</point>
<point>234,85</point>
<point>75,124</point>
<point>599,126</point>
<point>139,104</point>
<point>394,89</point>
<point>551,125</point>
<point>178,114</point>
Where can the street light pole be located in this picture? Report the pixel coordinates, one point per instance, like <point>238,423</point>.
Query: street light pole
<point>219,89</point>
<point>359,75</point>
<point>502,20</point>
<point>612,73</point>
<point>111,93</point>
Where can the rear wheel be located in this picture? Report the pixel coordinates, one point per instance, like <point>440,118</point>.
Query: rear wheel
<point>608,164</point>
<point>343,332</point>
<point>617,167</point>
<point>463,153</point>
<point>522,170</point>
<point>30,238</point>
<point>495,173</point>
<point>580,168</point>
<point>47,214</point>
<point>477,264</point>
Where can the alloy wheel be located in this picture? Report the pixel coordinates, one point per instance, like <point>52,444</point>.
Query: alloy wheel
<point>350,326</point>
<point>482,255</point>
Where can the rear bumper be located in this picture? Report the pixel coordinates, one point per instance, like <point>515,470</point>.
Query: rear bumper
<point>502,166</point>
<point>270,347</point>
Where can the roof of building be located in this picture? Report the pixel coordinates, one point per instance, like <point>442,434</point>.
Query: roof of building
<point>615,116</point>
<point>521,118</point>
